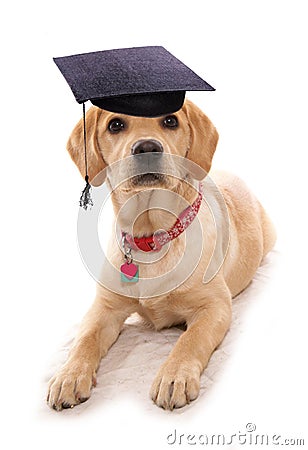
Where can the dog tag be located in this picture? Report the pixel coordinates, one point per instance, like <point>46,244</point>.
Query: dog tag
<point>129,272</point>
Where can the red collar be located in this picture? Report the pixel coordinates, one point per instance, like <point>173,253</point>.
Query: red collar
<point>156,241</point>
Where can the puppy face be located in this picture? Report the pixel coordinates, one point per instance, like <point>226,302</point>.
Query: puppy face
<point>143,154</point>
<point>145,146</point>
<point>111,138</point>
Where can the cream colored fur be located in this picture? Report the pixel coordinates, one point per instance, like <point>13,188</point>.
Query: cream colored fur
<point>205,308</point>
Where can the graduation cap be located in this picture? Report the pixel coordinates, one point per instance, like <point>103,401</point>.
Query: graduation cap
<point>139,81</point>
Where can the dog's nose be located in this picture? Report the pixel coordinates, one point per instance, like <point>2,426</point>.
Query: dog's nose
<point>147,146</point>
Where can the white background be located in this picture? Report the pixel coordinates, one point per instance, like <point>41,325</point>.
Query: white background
<point>255,54</point>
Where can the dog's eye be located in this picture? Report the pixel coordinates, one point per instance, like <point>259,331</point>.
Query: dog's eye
<point>116,125</point>
<point>170,122</point>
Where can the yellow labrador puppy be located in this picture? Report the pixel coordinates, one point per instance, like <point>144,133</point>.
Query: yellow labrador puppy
<point>183,294</point>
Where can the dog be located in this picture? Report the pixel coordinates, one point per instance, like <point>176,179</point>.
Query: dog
<point>183,294</point>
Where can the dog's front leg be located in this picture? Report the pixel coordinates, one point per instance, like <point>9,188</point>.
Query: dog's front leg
<point>178,380</point>
<point>99,329</point>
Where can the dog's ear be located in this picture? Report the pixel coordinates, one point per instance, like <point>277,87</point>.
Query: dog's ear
<point>203,137</point>
<point>75,146</point>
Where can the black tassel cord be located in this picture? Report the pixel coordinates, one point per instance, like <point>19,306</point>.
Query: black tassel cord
<point>85,201</point>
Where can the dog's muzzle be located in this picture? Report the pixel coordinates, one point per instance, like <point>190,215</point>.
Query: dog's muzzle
<point>147,157</point>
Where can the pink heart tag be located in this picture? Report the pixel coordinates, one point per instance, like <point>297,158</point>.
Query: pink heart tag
<point>129,270</point>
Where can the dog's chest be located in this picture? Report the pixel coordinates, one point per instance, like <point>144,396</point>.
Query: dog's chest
<point>163,272</point>
<point>160,312</point>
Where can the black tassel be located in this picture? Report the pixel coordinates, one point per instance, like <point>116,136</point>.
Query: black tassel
<point>86,201</point>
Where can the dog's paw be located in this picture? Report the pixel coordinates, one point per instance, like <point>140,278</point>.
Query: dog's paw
<point>70,386</point>
<point>175,385</point>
